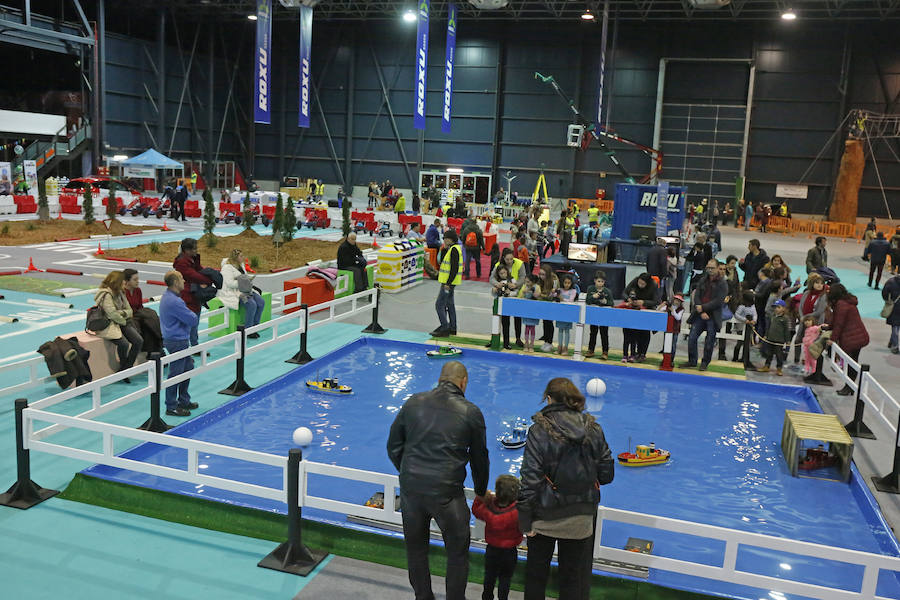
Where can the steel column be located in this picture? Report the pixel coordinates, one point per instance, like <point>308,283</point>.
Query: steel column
<point>498,111</point>
<point>161,76</point>
<point>100,131</point>
<point>95,105</point>
<point>747,114</point>
<point>387,102</point>
<point>28,11</point>
<point>844,89</point>
<point>348,143</point>
<point>282,121</point>
<point>576,152</point>
<point>210,114</point>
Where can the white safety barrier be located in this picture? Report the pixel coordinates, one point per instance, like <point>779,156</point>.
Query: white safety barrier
<point>842,366</point>
<point>32,364</point>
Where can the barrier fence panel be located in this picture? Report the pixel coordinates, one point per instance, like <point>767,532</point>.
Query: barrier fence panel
<point>34,380</point>
<point>878,398</point>
<point>842,367</point>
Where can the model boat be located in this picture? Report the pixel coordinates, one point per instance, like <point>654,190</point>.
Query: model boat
<point>644,456</point>
<point>329,385</point>
<point>817,458</point>
<point>516,437</point>
<point>444,352</point>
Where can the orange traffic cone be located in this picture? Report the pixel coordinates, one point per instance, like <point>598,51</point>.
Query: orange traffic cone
<point>59,215</point>
<point>99,251</point>
<point>165,227</point>
<point>374,242</point>
<point>31,268</point>
<point>247,266</point>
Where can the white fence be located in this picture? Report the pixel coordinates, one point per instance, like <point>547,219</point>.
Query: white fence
<point>39,424</point>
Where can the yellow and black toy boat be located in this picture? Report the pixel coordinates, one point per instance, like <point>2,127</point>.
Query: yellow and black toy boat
<point>329,385</point>
<point>644,456</point>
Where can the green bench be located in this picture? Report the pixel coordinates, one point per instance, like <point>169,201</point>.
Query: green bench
<point>236,317</point>
<point>346,284</point>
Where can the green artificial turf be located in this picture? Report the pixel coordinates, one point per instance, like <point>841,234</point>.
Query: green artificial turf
<point>46,287</point>
<point>342,541</point>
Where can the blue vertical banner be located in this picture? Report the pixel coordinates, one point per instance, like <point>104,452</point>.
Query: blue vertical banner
<point>421,65</point>
<point>262,112</point>
<point>662,208</point>
<point>448,68</point>
<point>602,73</point>
<point>306,16</point>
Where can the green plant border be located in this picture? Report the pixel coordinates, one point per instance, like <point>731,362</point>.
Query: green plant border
<point>370,547</point>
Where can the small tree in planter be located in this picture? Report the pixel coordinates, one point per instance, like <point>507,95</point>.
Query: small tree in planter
<point>209,214</point>
<point>290,221</point>
<point>87,206</point>
<point>278,218</point>
<point>111,205</point>
<point>248,213</point>
<point>43,207</point>
<point>345,215</point>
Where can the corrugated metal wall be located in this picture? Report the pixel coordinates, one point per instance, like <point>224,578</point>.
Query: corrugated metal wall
<point>796,109</point>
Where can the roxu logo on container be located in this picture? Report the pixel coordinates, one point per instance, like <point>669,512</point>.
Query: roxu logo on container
<point>649,199</point>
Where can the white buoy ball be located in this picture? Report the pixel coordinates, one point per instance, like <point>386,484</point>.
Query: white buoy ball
<point>302,436</point>
<point>596,387</point>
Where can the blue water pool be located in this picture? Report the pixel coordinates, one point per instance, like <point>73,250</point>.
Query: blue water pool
<point>727,467</point>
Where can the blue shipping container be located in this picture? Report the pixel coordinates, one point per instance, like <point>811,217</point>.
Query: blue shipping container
<point>636,205</point>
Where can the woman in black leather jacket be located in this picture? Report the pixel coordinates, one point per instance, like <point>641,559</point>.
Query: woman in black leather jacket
<point>566,461</point>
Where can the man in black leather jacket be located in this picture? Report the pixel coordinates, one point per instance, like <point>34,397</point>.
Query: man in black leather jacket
<point>432,438</point>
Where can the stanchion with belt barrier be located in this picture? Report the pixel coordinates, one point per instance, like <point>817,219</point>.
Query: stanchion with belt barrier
<point>155,422</point>
<point>856,427</point>
<point>24,493</point>
<point>374,327</point>
<point>293,556</point>
<point>239,386</point>
<point>748,341</point>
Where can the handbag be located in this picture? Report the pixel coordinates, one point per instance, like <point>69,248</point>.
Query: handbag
<point>727,315</point>
<point>245,284</point>
<point>888,307</point>
<point>96,319</point>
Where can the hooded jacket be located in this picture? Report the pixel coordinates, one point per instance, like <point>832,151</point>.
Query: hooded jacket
<point>190,268</point>
<point>501,525</point>
<point>847,329</point>
<point>566,461</point>
<point>432,438</point>
<point>878,250</point>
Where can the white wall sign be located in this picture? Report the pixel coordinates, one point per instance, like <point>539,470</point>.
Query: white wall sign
<point>148,172</point>
<point>783,190</point>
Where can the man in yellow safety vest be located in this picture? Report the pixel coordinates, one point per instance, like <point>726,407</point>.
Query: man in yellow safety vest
<point>193,181</point>
<point>449,277</point>
<point>593,214</point>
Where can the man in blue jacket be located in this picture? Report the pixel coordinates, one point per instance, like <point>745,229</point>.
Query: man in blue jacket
<point>176,321</point>
<point>433,235</point>
<point>876,253</point>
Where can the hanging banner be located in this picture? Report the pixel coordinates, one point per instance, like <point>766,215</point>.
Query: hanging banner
<point>305,58</point>
<point>421,65</point>
<point>603,31</point>
<point>448,68</point>
<point>140,172</point>
<point>6,180</point>
<point>263,62</point>
<point>662,209</point>
<point>306,14</point>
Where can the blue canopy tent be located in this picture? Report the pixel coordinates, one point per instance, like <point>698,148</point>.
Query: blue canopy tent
<point>147,163</point>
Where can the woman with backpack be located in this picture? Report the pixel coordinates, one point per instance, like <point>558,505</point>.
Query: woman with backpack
<point>110,298</point>
<point>566,461</point>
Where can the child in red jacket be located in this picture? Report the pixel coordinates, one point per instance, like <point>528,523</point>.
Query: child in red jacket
<point>501,530</point>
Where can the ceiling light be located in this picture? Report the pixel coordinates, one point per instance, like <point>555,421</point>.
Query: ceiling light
<point>587,16</point>
<point>251,17</point>
<point>789,15</point>
<point>454,170</point>
<point>120,157</point>
<point>409,16</point>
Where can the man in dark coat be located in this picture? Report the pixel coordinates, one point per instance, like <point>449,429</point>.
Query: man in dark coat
<point>188,264</point>
<point>706,314</point>
<point>891,291</point>
<point>658,264</point>
<point>755,260</point>
<point>350,258</point>
<point>876,253</point>
<point>434,435</point>
<point>817,255</point>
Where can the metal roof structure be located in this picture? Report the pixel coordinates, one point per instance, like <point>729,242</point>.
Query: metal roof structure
<point>566,10</point>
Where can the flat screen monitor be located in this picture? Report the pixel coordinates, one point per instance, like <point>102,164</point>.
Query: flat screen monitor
<point>582,252</point>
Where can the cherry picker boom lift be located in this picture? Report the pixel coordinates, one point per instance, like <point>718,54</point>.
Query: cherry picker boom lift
<point>597,132</point>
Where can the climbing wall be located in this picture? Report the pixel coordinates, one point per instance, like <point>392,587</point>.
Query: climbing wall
<point>846,190</point>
